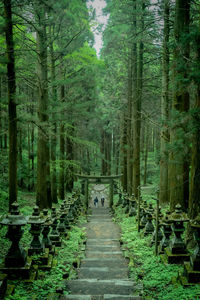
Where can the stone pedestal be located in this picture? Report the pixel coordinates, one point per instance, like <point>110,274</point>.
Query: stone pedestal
<point>44,261</point>
<point>16,263</point>
<point>175,258</point>
<point>17,272</point>
<point>166,230</point>
<point>55,236</point>
<point>176,253</point>
<point>149,228</point>
<point>45,232</point>
<point>191,274</point>
<point>36,246</point>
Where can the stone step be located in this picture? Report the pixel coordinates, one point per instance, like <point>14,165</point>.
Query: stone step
<point>104,262</point>
<point>98,297</point>
<point>97,287</point>
<point>121,297</point>
<point>102,273</point>
<point>96,221</point>
<point>103,248</point>
<point>103,241</point>
<point>105,254</point>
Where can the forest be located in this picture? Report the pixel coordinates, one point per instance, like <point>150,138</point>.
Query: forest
<point>124,119</point>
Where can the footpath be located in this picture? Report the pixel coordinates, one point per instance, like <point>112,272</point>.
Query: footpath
<point>103,273</point>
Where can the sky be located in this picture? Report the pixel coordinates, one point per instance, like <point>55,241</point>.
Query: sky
<point>98,5</point>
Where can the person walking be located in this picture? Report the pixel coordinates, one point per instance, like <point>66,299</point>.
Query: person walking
<point>102,201</point>
<point>96,201</point>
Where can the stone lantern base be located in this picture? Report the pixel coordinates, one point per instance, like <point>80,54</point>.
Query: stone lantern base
<point>189,275</point>
<point>17,272</point>
<point>56,240</point>
<point>44,261</point>
<point>175,258</point>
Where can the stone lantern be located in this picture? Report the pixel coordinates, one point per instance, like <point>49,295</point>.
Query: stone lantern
<point>160,235</point>
<point>70,213</point>
<point>143,220</point>
<point>192,268</point>
<point>16,262</point>
<point>149,228</point>
<point>54,235</point>
<point>67,221</point>
<point>63,214</point>
<point>46,229</point>
<point>176,253</point>
<point>124,200</point>
<point>36,222</point>
<point>16,256</point>
<point>132,210</point>
<point>120,199</point>
<point>167,231</point>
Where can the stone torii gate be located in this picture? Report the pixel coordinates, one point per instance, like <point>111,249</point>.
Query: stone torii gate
<point>105,179</point>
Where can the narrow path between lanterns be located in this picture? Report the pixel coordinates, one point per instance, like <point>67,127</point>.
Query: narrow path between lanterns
<point>104,271</point>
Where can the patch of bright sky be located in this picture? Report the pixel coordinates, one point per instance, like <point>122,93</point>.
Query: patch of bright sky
<point>98,5</point>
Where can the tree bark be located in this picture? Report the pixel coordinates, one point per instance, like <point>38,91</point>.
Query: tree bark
<point>12,112</point>
<point>54,126</point>
<point>179,168</point>
<point>62,151</point>
<point>69,158</point>
<point>146,154</point>
<point>138,84</point>
<point>124,151</point>
<point>20,158</point>
<point>195,167</point>
<point>43,193</point>
<point>163,190</point>
<point>129,125</point>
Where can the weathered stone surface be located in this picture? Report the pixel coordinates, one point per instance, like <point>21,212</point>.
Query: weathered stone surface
<point>101,262</point>
<point>97,287</point>
<point>103,273</point>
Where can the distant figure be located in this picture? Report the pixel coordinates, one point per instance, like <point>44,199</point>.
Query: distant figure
<point>96,201</point>
<point>102,200</point>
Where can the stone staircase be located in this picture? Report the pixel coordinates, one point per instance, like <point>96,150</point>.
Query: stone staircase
<point>104,271</point>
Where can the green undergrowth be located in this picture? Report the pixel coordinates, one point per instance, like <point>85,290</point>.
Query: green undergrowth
<point>48,281</point>
<point>159,280</point>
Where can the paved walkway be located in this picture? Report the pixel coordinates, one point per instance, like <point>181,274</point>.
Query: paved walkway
<point>104,271</point>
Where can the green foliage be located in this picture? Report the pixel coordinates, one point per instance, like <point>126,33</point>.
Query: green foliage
<point>157,278</point>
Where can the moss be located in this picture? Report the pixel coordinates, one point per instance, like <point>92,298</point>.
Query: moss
<point>148,268</point>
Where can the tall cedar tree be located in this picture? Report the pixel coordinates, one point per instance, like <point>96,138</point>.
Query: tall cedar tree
<point>12,113</point>
<point>164,139</point>
<point>179,166</point>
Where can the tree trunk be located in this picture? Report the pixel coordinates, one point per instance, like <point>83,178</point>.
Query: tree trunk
<point>43,193</point>
<point>129,125</point>
<point>195,168</point>
<point>137,87</point>
<point>54,127</point>
<point>178,172</point>
<point>29,158</point>
<point>20,159</point>
<point>12,113</point>
<point>146,153</point>
<point>69,158</point>
<point>32,157</point>
<point>124,152</point>
<point>62,152</point>
<point>163,190</point>
<point>1,123</point>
